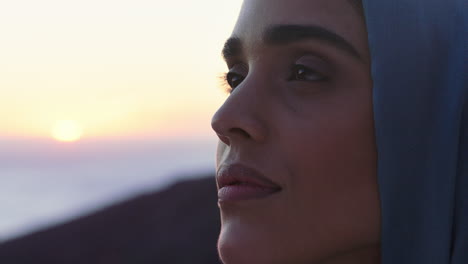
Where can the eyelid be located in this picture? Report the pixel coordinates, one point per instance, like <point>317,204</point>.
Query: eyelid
<point>234,61</point>
<point>316,64</point>
<point>314,76</point>
<point>239,67</point>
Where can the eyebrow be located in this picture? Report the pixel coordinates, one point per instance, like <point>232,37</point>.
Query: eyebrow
<point>287,34</point>
<point>232,48</point>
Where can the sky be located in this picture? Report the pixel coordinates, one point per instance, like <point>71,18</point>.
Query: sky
<point>141,80</point>
<point>133,69</point>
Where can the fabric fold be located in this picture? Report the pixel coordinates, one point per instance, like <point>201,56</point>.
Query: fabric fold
<point>419,55</point>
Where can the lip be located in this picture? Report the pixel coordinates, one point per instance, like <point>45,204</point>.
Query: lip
<point>238,182</point>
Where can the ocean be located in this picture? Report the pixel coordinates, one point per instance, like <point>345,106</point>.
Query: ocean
<point>43,183</point>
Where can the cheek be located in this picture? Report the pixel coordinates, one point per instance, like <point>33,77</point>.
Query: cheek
<point>333,158</point>
<point>331,164</point>
<point>332,146</point>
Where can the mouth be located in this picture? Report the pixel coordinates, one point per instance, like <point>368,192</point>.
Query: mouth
<point>238,182</point>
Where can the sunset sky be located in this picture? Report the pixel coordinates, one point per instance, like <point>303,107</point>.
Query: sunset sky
<point>134,83</point>
<point>134,69</point>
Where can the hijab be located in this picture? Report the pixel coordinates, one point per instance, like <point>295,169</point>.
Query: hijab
<point>419,52</point>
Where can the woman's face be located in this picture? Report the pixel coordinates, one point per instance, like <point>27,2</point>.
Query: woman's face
<point>300,115</point>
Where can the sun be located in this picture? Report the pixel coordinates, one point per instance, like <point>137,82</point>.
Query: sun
<point>67,131</point>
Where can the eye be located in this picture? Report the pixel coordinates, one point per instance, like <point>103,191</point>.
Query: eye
<point>303,73</point>
<point>233,79</point>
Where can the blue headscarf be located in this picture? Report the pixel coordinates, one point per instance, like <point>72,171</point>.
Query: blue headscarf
<point>419,53</point>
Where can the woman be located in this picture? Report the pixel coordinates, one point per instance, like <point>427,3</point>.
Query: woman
<point>341,142</point>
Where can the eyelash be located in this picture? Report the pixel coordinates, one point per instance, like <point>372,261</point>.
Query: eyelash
<point>231,83</point>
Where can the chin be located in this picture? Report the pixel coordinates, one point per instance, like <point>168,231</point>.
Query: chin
<point>249,244</point>
<point>231,252</point>
<point>244,247</point>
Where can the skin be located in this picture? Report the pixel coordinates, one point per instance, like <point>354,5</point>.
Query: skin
<point>313,137</point>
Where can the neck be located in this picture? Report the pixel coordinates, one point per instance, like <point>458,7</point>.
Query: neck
<point>364,255</point>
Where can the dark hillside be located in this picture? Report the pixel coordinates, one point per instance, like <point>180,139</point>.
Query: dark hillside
<point>176,225</point>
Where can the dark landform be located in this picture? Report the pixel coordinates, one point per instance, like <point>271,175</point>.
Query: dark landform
<point>177,225</point>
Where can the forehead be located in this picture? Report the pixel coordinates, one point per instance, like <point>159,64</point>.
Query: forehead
<point>338,16</point>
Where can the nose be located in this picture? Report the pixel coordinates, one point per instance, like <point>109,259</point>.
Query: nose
<point>240,118</point>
